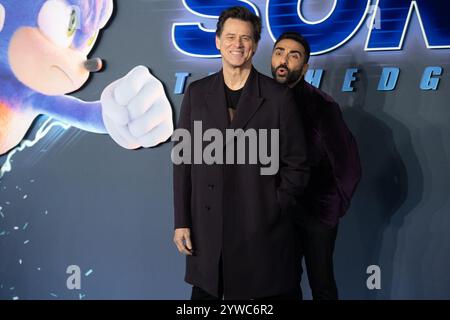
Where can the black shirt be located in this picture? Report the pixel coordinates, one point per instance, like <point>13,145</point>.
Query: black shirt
<point>232,97</point>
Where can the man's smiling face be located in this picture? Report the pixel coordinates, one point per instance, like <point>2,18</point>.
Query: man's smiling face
<point>236,43</point>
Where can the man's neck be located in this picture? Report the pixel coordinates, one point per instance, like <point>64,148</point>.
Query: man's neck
<point>235,78</point>
<point>292,85</point>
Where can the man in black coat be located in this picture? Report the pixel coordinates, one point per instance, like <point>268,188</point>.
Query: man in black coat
<point>232,220</point>
<point>334,161</point>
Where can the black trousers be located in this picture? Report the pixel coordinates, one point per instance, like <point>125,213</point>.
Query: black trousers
<point>315,243</point>
<point>200,294</point>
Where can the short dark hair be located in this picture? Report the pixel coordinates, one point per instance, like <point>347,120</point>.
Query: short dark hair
<point>243,14</point>
<point>298,38</point>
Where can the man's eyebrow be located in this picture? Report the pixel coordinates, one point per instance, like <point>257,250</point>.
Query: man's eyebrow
<point>279,48</point>
<point>296,51</point>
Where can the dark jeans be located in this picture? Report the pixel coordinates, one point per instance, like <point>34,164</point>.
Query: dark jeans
<point>315,243</point>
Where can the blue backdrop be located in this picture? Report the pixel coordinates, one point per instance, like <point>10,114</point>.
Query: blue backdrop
<point>77,198</point>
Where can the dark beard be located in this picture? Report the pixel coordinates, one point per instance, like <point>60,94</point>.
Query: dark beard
<point>291,76</point>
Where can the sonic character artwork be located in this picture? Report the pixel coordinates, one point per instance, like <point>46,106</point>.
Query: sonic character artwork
<point>44,45</point>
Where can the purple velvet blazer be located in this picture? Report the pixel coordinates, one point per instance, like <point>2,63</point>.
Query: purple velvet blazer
<point>332,153</point>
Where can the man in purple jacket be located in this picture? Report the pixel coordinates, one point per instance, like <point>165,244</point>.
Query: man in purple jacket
<point>335,166</point>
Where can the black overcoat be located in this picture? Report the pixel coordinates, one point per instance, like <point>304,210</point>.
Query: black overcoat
<point>234,212</point>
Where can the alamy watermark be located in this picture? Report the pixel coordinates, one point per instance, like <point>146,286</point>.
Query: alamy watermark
<point>74,280</point>
<point>229,149</point>
<point>374,22</point>
<point>373,282</point>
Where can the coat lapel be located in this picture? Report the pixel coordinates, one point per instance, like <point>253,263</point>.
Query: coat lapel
<point>216,102</point>
<point>249,103</point>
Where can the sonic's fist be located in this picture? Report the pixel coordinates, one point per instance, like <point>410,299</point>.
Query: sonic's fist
<point>136,112</point>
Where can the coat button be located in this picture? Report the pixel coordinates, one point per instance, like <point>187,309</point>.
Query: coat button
<point>210,186</point>
<point>208,208</point>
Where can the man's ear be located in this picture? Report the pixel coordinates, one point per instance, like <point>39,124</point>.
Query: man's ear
<point>2,16</point>
<point>305,69</point>
<point>255,48</point>
<point>217,43</point>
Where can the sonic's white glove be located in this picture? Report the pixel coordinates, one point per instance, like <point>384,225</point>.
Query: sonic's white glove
<point>136,112</point>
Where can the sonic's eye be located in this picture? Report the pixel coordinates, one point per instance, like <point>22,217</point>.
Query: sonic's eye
<point>92,39</point>
<point>73,23</point>
<point>58,22</point>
